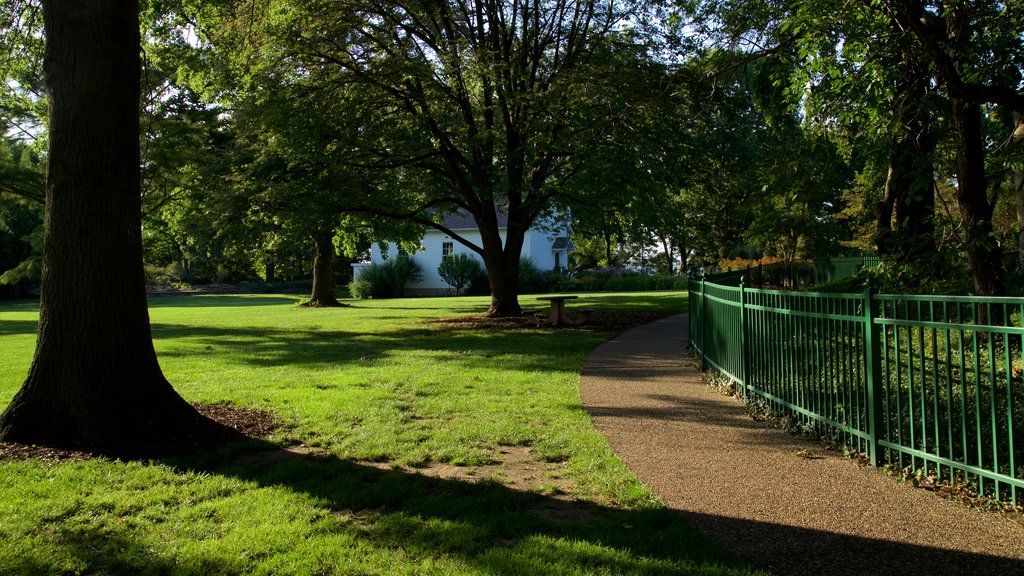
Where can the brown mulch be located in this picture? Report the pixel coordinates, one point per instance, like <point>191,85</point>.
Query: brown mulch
<point>246,421</point>
<point>599,321</point>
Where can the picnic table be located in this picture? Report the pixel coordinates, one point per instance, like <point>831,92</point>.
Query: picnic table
<point>557,315</point>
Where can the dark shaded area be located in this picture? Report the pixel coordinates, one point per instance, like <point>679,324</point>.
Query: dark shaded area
<point>487,522</point>
<point>508,517</point>
<point>216,301</point>
<point>788,550</point>
<point>269,347</point>
<point>10,327</point>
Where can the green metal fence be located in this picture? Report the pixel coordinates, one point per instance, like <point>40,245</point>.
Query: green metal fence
<point>932,383</point>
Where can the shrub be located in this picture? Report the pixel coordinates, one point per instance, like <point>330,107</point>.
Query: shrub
<point>630,283</point>
<point>458,271</point>
<point>533,280</point>
<point>530,277</point>
<point>388,279</point>
<point>480,285</point>
<point>360,289</point>
<point>663,282</point>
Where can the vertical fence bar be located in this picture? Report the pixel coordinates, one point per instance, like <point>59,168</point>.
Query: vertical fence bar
<point>744,354</point>
<point>703,323</point>
<point>873,376</point>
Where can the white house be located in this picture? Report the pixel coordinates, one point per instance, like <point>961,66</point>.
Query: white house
<point>547,246</point>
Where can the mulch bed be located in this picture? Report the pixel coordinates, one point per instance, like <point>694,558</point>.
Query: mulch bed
<point>599,321</point>
<point>246,421</point>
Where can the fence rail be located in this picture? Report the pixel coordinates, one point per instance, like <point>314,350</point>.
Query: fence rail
<point>933,383</point>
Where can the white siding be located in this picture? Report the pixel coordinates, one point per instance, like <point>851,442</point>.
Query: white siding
<point>429,256</point>
<point>536,246</point>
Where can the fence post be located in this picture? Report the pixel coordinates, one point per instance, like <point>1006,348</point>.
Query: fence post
<point>744,357</point>
<point>703,324</point>
<point>873,376</point>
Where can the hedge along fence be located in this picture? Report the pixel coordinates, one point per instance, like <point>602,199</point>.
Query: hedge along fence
<point>812,272</point>
<point>932,384</point>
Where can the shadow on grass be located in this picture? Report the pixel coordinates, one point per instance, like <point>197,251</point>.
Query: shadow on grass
<point>11,327</point>
<point>217,301</point>
<point>269,347</point>
<point>95,550</point>
<point>502,531</point>
<point>488,526</point>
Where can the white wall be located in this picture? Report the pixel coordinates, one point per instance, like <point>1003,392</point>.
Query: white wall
<point>536,246</point>
<point>429,256</point>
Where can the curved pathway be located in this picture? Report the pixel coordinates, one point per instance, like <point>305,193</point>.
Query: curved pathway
<point>743,484</point>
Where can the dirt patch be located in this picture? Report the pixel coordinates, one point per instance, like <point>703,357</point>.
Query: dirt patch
<point>516,469</point>
<point>246,421</point>
<point>599,321</point>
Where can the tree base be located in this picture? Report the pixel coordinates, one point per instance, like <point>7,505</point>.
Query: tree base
<point>127,433</point>
<point>324,303</point>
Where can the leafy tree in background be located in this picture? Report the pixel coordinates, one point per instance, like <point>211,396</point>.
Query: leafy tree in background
<point>491,108</point>
<point>916,79</point>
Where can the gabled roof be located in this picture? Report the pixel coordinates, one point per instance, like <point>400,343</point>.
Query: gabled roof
<point>562,243</point>
<point>462,220</point>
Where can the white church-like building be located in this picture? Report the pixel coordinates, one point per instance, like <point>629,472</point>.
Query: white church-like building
<point>547,246</point>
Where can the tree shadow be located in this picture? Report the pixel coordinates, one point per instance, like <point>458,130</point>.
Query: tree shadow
<point>217,301</point>
<point>11,327</point>
<point>491,527</point>
<point>270,347</point>
<point>499,530</point>
<point>791,550</point>
<point>97,550</point>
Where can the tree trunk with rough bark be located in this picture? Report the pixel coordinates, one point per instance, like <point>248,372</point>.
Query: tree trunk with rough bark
<point>972,198</point>
<point>909,188</point>
<point>95,383</point>
<point>502,263</point>
<point>1018,186</point>
<point>669,255</point>
<point>322,295</point>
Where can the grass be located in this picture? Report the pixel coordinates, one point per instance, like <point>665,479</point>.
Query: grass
<point>381,397</point>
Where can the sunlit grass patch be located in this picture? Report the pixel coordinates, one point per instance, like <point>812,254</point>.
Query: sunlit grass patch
<point>376,403</point>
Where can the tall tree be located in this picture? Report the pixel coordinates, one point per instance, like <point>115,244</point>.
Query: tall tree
<point>94,381</point>
<point>499,102</point>
<point>976,51</point>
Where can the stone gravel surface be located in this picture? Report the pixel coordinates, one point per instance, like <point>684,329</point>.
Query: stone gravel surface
<point>777,500</point>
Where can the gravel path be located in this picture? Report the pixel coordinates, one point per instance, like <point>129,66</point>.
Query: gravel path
<point>742,483</point>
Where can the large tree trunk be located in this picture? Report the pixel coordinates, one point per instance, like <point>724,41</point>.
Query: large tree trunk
<point>1018,186</point>
<point>323,274</point>
<point>502,262</point>
<point>972,198</point>
<point>909,189</point>
<point>95,382</point>
<point>668,254</point>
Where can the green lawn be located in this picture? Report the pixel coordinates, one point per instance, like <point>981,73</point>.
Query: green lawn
<point>377,401</point>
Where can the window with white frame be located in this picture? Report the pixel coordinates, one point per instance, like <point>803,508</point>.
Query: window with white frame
<point>447,249</point>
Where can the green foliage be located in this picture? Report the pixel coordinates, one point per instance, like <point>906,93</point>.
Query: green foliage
<point>360,289</point>
<point>623,281</point>
<point>939,276</point>
<point>389,278</point>
<point>458,271</point>
<point>531,279</point>
<point>480,285</point>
